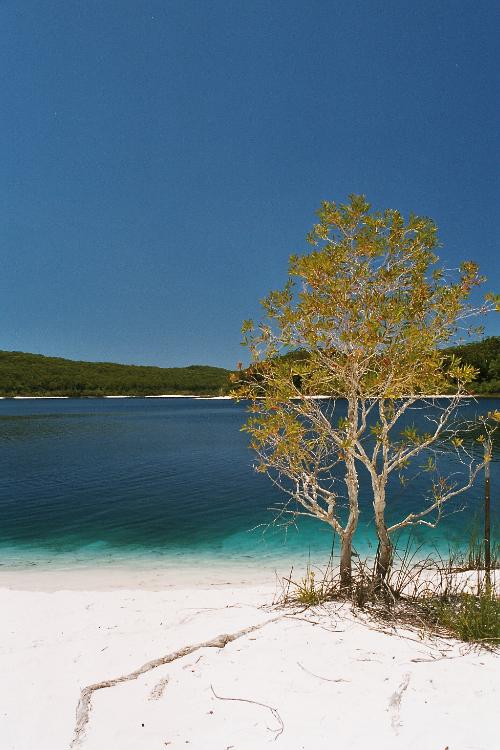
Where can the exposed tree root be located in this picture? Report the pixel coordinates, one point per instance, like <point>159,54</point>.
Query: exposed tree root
<point>85,703</point>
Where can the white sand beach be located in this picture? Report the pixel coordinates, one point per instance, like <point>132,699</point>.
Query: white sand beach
<point>294,680</point>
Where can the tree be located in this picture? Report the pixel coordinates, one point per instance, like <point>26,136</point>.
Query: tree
<point>362,320</point>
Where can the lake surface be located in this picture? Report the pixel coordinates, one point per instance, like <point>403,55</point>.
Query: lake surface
<point>112,480</point>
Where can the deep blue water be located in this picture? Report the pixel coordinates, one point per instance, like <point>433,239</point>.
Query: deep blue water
<point>103,479</point>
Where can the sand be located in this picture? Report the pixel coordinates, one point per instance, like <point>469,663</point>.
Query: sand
<point>324,678</point>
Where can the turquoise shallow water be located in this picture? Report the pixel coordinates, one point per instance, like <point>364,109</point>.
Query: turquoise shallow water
<point>85,481</point>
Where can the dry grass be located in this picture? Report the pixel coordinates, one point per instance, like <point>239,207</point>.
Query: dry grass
<point>434,595</point>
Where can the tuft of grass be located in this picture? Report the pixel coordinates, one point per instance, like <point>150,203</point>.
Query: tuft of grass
<point>470,617</point>
<point>308,591</point>
<point>471,557</point>
<point>315,587</point>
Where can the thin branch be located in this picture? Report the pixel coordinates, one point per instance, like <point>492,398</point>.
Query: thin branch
<point>274,711</point>
<point>326,679</point>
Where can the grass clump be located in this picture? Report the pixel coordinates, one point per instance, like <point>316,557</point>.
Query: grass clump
<point>471,556</point>
<point>308,591</point>
<point>470,617</point>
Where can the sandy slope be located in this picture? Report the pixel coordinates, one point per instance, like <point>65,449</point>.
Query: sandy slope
<point>332,679</point>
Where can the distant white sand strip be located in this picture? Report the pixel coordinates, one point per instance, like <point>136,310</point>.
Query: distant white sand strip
<point>30,398</point>
<point>170,395</point>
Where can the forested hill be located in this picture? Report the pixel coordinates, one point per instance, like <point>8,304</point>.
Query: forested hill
<point>485,356</point>
<point>24,374</point>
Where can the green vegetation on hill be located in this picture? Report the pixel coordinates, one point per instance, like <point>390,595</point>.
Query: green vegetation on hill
<point>485,356</point>
<point>23,374</point>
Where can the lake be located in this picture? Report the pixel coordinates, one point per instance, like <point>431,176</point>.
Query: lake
<point>112,480</point>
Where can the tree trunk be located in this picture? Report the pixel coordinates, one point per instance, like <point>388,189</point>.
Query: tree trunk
<point>385,551</point>
<point>487,524</point>
<point>351,480</point>
<point>346,562</point>
<point>384,554</point>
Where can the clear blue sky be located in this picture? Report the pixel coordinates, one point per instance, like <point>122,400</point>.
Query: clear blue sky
<point>160,160</point>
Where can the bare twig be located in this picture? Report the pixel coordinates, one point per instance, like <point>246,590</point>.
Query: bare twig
<point>326,679</point>
<point>274,711</point>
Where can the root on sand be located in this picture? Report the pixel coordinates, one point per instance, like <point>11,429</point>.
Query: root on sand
<point>85,703</point>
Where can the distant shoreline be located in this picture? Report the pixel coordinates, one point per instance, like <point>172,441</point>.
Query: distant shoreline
<point>24,375</point>
<point>211,398</point>
<point>162,395</point>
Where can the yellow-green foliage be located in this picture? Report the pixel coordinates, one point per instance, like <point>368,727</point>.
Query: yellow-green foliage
<point>364,315</point>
